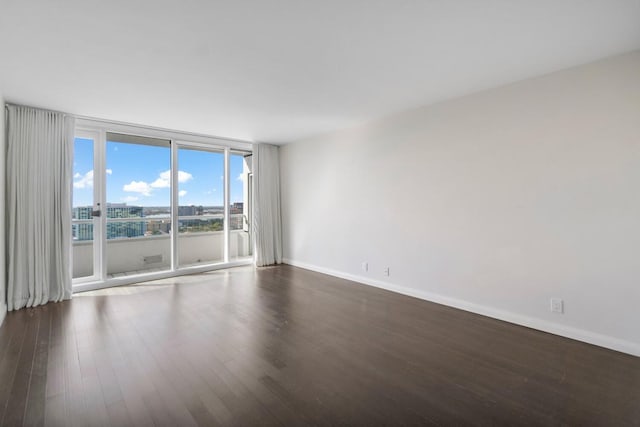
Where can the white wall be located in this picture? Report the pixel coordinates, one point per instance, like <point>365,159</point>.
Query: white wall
<point>3,279</point>
<point>494,202</point>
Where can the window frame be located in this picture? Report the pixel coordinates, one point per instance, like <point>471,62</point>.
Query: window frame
<point>99,129</point>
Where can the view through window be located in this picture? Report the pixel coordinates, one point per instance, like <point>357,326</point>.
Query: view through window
<point>82,222</point>
<point>136,213</point>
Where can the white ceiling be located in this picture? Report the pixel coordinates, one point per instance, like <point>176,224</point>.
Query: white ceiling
<point>281,70</point>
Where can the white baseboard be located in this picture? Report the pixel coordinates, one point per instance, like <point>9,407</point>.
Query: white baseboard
<point>623,346</point>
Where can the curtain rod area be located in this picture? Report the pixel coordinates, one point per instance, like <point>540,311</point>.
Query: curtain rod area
<point>132,125</point>
<point>155,128</point>
<point>13,104</point>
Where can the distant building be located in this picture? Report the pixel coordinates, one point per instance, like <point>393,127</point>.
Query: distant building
<point>121,210</point>
<point>158,226</point>
<point>236,208</point>
<point>190,210</point>
<point>82,231</point>
<point>115,230</point>
<point>236,217</point>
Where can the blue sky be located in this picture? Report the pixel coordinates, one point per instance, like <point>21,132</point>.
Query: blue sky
<point>139,175</point>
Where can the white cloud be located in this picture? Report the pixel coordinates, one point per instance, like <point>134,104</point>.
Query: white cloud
<point>129,199</point>
<point>241,177</point>
<point>164,180</point>
<point>182,193</point>
<point>138,187</point>
<point>83,181</point>
<point>184,176</point>
<point>86,180</point>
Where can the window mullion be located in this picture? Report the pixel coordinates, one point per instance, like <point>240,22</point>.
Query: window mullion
<point>227,219</point>
<point>174,206</point>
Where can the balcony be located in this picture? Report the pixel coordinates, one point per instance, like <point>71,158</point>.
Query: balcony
<point>136,255</point>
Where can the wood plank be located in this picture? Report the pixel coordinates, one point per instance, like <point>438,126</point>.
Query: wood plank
<point>286,346</point>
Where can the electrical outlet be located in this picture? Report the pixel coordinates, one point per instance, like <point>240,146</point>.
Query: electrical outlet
<point>365,266</point>
<point>557,305</point>
<point>386,271</point>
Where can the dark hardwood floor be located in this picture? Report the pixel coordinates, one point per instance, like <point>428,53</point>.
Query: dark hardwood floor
<point>286,346</point>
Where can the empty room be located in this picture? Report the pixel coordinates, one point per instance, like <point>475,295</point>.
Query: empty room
<point>292,213</point>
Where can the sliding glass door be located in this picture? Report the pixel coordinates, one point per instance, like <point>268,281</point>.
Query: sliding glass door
<point>201,196</point>
<point>145,206</point>
<point>138,205</point>
<point>240,185</point>
<point>85,223</point>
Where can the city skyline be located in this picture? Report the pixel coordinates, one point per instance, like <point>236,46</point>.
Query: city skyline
<point>142,225</point>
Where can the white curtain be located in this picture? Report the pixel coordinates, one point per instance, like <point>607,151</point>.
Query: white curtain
<point>39,169</point>
<point>267,221</point>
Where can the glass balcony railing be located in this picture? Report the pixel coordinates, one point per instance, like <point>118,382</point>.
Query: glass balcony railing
<point>140,245</point>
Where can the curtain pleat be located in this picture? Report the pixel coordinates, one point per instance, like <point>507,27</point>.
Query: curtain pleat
<point>39,182</point>
<point>267,223</point>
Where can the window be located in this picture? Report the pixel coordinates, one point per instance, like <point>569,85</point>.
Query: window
<point>156,204</point>
<point>201,237</point>
<point>138,205</point>
<point>240,182</point>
